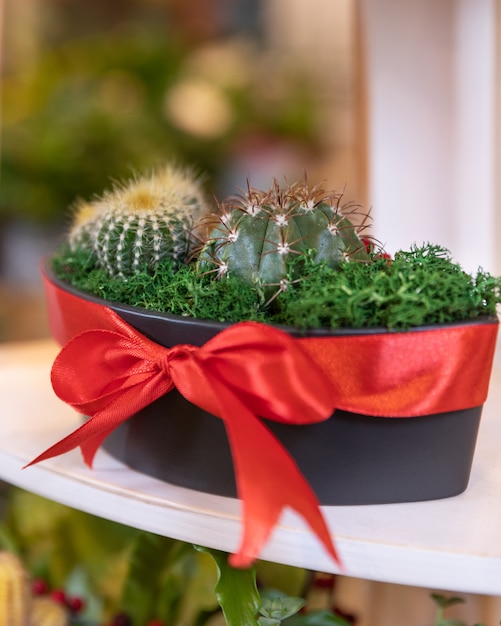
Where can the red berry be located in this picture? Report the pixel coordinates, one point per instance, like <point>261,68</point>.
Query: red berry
<point>75,605</point>
<point>326,581</point>
<point>349,617</point>
<point>58,596</point>
<point>156,622</point>
<point>39,587</point>
<point>371,248</point>
<point>121,619</point>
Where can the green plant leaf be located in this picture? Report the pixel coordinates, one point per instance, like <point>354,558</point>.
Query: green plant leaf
<point>141,588</point>
<point>316,618</point>
<point>268,621</point>
<point>236,591</point>
<point>7,540</point>
<point>187,594</point>
<point>446,601</point>
<point>276,605</point>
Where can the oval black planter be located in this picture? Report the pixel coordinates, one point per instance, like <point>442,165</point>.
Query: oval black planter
<point>349,459</point>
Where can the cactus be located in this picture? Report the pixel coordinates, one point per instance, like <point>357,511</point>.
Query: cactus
<point>17,606</point>
<point>136,225</point>
<point>258,235</point>
<point>84,217</point>
<point>14,592</point>
<point>45,612</point>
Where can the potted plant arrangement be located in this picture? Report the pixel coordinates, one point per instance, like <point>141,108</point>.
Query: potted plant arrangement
<point>267,348</point>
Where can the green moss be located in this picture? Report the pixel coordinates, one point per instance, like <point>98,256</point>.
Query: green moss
<point>418,287</point>
<point>422,286</point>
<point>180,291</point>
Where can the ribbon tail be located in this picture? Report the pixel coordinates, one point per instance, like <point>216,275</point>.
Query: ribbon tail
<point>268,480</point>
<point>88,437</point>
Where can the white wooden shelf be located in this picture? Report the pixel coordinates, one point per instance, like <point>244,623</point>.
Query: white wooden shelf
<point>452,544</point>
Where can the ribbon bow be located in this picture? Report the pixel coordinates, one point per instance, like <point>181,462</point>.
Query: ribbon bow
<point>246,371</point>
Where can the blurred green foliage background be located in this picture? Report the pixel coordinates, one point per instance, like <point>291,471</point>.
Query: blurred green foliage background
<point>95,107</point>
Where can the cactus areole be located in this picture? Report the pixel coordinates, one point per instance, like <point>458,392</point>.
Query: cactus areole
<point>261,236</point>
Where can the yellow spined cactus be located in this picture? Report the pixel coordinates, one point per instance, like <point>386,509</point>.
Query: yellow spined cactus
<point>139,223</point>
<point>45,612</point>
<point>14,592</point>
<point>17,606</point>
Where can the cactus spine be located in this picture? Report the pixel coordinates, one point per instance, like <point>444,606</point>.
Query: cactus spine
<point>135,226</point>
<point>258,234</point>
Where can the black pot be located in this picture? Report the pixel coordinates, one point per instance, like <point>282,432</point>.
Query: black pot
<point>348,459</point>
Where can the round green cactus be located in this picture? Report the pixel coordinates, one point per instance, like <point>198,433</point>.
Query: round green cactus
<point>135,226</point>
<point>261,236</point>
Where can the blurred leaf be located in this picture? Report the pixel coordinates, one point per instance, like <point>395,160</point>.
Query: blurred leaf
<point>56,540</point>
<point>236,591</point>
<point>7,540</point>
<point>147,561</point>
<point>290,580</point>
<point>316,618</point>
<point>446,601</point>
<point>186,588</point>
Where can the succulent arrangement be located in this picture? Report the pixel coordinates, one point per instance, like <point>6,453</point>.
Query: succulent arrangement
<point>294,254</point>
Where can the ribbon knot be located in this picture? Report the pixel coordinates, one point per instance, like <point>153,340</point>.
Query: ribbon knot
<point>246,372</point>
<point>179,353</point>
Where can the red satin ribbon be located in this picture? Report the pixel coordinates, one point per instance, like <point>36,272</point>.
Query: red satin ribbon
<point>408,374</point>
<point>109,371</point>
<point>112,371</point>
